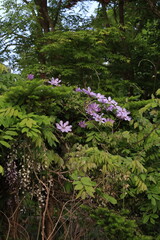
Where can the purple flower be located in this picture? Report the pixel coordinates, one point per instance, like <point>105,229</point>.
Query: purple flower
<point>30,76</point>
<point>11,172</point>
<point>93,107</point>
<point>64,127</point>
<point>122,113</point>
<point>111,107</point>
<point>55,81</point>
<point>82,124</point>
<point>78,90</point>
<point>89,92</point>
<point>99,118</point>
<point>112,104</point>
<point>111,101</point>
<point>101,98</point>
<point>86,91</point>
<point>107,103</point>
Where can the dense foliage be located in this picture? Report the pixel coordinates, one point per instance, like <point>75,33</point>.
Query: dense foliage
<point>59,172</point>
<point>80,121</point>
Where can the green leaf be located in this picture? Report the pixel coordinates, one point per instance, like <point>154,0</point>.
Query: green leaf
<point>12,133</point>
<point>109,198</point>
<point>89,139</point>
<point>4,143</point>
<point>76,182</point>
<point>83,195</point>
<point>136,124</point>
<point>78,187</point>
<point>153,201</point>
<point>25,130</point>
<point>157,197</point>
<point>87,181</point>
<point>89,191</point>
<point>30,122</point>
<point>123,195</point>
<point>145,218</point>
<point>152,220</point>
<point>38,141</point>
<point>50,137</point>
<point>155,216</point>
<point>79,194</point>
<point>158,92</point>
<point>29,134</point>
<point>54,157</point>
<point>23,122</point>
<point>1,170</point>
<point>7,137</point>
<point>149,196</point>
<point>143,177</point>
<point>74,176</point>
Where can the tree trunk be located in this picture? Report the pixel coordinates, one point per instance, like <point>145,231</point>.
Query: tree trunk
<point>105,15</point>
<point>121,12</point>
<point>13,212</point>
<point>49,224</point>
<point>43,16</point>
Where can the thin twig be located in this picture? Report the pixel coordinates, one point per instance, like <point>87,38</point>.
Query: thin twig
<point>46,206</point>
<point>64,207</point>
<point>16,208</point>
<point>9,225</point>
<point>24,230</point>
<point>39,228</point>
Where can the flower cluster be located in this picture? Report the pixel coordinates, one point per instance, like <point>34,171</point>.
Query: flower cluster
<point>94,108</point>
<point>107,104</point>
<point>11,172</point>
<point>25,175</point>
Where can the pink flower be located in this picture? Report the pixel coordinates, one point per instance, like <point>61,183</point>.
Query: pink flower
<point>93,107</point>
<point>82,124</point>
<point>101,98</point>
<point>122,113</point>
<point>89,92</point>
<point>99,118</point>
<point>78,90</point>
<point>55,81</point>
<point>63,126</point>
<point>30,76</point>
